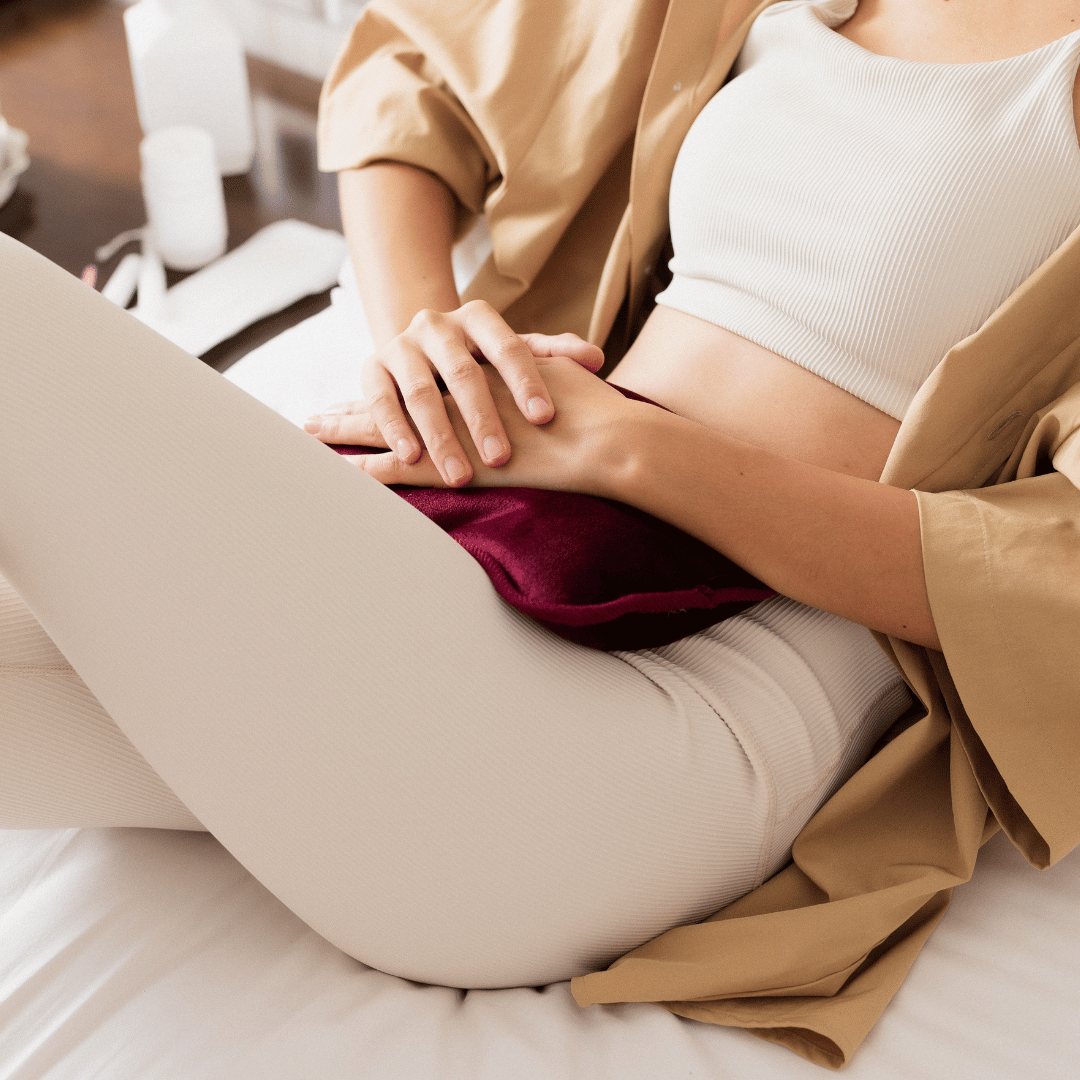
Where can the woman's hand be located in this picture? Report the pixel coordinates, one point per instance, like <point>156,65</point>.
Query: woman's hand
<point>578,450</point>
<point>404,409</point>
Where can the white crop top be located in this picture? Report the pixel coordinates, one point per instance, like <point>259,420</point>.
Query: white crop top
<point>860,214</point>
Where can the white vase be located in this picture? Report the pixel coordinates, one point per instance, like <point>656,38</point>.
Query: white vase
<point>188,67</point>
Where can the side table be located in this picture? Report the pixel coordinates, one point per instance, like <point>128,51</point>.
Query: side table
<point>65,80</point>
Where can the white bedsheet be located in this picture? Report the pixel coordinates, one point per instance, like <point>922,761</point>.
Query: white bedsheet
<point>146,955</point>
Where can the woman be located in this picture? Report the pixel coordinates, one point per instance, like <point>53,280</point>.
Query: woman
<point>468,799</point>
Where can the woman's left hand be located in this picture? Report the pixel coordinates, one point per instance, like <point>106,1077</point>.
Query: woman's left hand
<point>579,450</point>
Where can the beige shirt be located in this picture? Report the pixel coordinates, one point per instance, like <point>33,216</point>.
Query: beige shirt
<point>561,120</point>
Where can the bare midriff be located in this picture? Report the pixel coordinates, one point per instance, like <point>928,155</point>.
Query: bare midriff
<point>721,380</point>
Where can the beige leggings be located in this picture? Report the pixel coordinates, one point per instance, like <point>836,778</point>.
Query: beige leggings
<point>272,646</point>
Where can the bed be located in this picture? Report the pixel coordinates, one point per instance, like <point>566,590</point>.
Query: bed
<point>149,955</point>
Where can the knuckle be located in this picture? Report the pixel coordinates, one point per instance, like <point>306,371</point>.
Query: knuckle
<point>426,319</point>
<point>526,383</point>
<point>478,422</point>
<point>478,307</point>
<point>374,463</point>
<point>441,440</point>
<point>398,428</point>
<point>507,349</point>
<point>460,369</point>
<point>419,391</point>
<point>383,402</point>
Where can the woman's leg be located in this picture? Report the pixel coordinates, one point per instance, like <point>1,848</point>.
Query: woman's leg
<point>62,759</point>
<point>329,684</point>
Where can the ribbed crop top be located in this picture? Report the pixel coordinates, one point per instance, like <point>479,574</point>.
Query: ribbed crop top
<point>859,214</point>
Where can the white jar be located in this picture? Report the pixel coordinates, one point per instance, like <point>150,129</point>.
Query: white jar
<point>188,67</point>
<point>185,204</point>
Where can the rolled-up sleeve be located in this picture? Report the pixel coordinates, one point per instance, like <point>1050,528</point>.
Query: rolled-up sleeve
<point>1003,576</point>
<point>385,101</point>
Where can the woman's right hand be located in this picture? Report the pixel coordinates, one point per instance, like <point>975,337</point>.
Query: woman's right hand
<point>403,403</point>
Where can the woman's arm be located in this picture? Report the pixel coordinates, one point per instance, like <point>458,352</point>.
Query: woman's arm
<point>399,222</point>
<point>837,542</point>
<point>840,543</point>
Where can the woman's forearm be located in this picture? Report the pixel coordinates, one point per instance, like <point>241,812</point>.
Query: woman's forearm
<point>399,222</point>
<point>843,544</point>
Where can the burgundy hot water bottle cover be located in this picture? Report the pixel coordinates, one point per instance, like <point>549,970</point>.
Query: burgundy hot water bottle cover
<point>592,570</point>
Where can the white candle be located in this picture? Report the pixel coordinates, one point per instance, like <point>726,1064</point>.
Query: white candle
<point>185,202</point>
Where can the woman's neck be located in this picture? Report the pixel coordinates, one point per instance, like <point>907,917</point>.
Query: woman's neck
<point>959,31</point>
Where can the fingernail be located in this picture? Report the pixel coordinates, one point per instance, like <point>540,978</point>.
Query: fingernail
<point>454,469</point>
<point>404,449</point>
<point>313,425</point>
<point>493,448</point>
<point>538,408</point>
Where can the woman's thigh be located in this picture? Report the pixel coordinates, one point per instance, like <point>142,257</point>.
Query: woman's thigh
<point>63,761</point>
<point>507,846</point>
<point>329,684</point>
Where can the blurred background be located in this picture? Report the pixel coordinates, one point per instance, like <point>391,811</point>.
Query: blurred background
<point>65,80</point>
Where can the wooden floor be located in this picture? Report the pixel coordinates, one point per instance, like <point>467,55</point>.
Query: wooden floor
<point>65,80</point>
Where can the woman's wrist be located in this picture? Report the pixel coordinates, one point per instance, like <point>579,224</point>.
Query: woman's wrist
<point>628,453</point>
<point>837,542</point>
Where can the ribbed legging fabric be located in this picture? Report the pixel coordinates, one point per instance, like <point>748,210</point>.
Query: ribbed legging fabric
<point>271,646</point>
